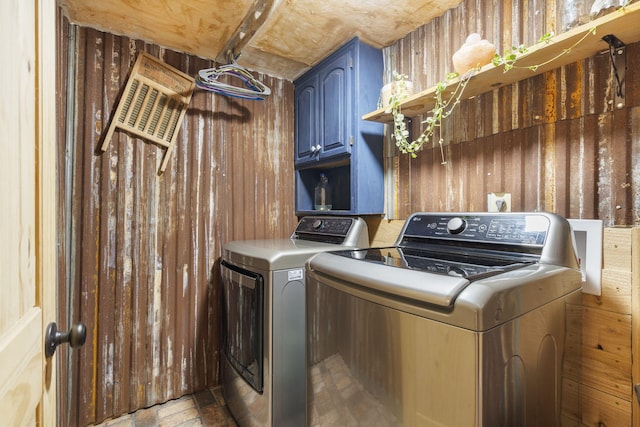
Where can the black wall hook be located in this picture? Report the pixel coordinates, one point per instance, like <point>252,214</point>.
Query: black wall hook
<point>617,50</point>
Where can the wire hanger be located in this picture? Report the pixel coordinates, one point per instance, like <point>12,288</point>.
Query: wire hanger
<point>253,89</point>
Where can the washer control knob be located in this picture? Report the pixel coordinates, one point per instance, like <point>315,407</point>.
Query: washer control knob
<point>317,224</point>
<point>456,225</point>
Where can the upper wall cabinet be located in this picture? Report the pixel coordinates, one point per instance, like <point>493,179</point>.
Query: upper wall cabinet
<point>323,109</point>
<point>331,137</point>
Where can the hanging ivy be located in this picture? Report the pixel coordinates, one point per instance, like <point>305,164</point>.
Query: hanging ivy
<point>446,104</point>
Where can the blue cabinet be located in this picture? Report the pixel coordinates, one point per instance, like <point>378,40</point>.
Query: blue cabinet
<point>323,109</point>
<point>332,138</point>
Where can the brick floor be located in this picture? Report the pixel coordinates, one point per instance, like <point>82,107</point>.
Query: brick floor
<point>205,408</point>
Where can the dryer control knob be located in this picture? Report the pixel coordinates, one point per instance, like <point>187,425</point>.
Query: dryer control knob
<point>456,225</point>
<point>317,224</point>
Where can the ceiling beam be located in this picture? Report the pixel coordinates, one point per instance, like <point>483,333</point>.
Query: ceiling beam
<point>251,23</point>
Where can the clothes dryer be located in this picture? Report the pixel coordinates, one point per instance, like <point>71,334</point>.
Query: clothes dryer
<point>264,358</point>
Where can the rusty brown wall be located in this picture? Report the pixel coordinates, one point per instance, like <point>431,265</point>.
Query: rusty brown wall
<point>138,251</point>
<point>556,142</point>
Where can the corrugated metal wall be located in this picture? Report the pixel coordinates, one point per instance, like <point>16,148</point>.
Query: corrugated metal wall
<point>555,141</point>
<point>138,251</point>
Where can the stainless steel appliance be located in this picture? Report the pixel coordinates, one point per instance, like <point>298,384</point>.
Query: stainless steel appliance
<point>468,320</point>
<point>264,369</point>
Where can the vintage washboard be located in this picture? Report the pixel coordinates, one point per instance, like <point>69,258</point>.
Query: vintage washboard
<point>153,104</point>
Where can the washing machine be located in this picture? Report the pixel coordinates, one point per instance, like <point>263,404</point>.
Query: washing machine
<point>470,319</point>
<point>264,347</point>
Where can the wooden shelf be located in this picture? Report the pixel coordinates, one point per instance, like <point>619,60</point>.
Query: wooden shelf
<point>623,23</point>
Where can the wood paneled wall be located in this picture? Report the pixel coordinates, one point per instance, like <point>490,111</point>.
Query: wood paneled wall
<point>556,142</point>
<point>606,382</point>
<point>138,252</point>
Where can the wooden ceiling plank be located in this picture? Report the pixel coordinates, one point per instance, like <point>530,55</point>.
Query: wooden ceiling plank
<point>281,38</point>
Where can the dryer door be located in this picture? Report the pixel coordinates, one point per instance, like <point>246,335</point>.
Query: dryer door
<point>243,296</point>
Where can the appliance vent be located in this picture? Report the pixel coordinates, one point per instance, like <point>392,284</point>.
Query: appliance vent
<point>153,104</point>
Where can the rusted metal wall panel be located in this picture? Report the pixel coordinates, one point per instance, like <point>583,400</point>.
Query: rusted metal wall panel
<point>555,141</point>
<point>145,275</point>
<point>65,314</point>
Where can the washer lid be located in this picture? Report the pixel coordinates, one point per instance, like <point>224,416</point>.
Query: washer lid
<point>430,288</point>
<point>312,235</point>
<point>455,263</point>
<point>431,277</point>
<point>274,254</point>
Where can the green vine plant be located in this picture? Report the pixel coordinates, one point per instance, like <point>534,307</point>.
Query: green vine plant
<point>442,109</point>
<point>446,104</point>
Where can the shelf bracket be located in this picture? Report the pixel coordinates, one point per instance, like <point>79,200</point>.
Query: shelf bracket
<point>617,54</point>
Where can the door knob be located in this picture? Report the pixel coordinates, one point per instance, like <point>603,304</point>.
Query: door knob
<point>76,336</point>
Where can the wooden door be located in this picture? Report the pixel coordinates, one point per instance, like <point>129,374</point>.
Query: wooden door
<point>27,206</point>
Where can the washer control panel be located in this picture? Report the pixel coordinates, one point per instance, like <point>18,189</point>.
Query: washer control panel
<point>519,229</point>
<point>324,225</point>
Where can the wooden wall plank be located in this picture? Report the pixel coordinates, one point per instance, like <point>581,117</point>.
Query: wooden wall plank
<point>606,352</point>
<point>570,417</point>
<point>599,408</point>
<point>635,321</point>
<point>608,332</point>
<point>616,292</point>
<point>383,232</point>
<point>616,254</point>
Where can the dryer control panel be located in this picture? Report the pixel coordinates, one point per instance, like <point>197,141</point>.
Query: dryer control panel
<point>324,225</point>
<point>348,231</point>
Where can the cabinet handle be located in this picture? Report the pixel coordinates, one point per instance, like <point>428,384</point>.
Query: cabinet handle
<point>318,147</point>
<point>313,148</point>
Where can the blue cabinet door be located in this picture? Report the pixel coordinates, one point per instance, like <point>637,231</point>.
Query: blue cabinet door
<point>335,106</point>
<point>306,121</point>
<point>323,110</point>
